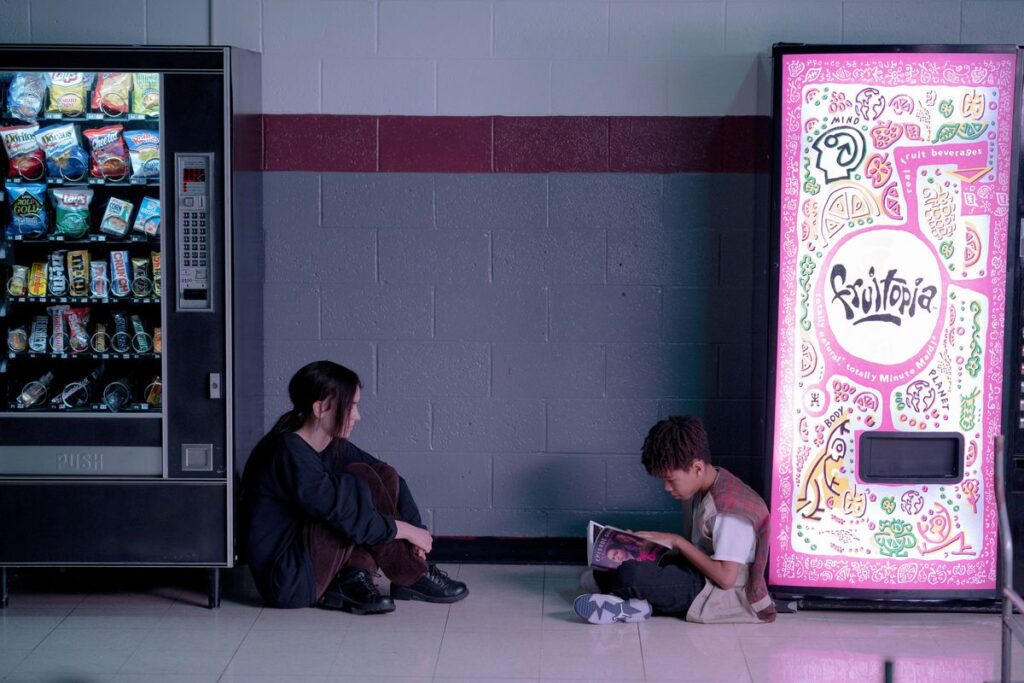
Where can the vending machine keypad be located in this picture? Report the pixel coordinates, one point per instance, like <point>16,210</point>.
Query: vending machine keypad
<point>193,231</point>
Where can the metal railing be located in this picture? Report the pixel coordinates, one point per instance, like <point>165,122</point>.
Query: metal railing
<point>1012,626</point>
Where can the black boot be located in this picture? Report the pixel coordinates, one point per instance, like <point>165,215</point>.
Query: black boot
<point>434,586</point>
<point>353,590</point>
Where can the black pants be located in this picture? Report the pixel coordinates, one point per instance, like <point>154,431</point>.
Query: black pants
<point>670,586</point>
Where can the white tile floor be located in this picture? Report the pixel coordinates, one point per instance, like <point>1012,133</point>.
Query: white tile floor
<point>516,625</point>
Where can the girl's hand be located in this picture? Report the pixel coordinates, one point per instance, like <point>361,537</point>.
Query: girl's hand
<point>420,538</point>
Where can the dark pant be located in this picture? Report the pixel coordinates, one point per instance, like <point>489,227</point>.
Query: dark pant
<point>330,551</point>
<point>670,586</point>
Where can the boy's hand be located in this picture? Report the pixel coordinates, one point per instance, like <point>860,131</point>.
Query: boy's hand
<point>671,540</point>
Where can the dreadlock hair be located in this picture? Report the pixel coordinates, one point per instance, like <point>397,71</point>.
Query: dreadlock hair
<point>674,444</point>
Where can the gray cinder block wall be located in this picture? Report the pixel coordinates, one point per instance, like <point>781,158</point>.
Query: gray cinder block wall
<point>517,335</point>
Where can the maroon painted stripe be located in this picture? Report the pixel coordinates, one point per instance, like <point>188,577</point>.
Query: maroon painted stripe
<point>315,142</point>
<point>516,144</point>
<point>441,144</point>
<point>539,144</point>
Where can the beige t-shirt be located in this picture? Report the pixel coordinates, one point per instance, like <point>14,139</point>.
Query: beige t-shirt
<point>729,538</point>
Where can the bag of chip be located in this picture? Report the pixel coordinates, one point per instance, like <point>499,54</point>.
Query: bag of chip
<point>109,155</point>
<point>71,205</point>
<point>68,93</point>
<point>111,93</point>
<point>146,94</point>
<point>116,218</point>
<point>25,97</point>
<point>28,210</point>
<point>24,157</point>
<point>147,220</point>
<point>65,157</point>
<point>144,149</point>
<point>17,285</point>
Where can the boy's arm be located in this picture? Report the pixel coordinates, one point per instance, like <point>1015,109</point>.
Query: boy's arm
<point>722,573</point>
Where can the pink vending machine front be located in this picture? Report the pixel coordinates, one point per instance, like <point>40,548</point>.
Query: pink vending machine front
<point>892,226</point>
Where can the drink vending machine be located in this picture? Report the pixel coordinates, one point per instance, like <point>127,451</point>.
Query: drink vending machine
<point>131,260</point>
<point>896,342</point>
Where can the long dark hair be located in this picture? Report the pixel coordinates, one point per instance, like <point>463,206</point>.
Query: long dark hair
<point>321,380</point>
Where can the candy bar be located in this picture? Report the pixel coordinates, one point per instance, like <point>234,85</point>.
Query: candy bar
<point>120,282</point>
<point>37,280</point>
<point>58,338</point>
<point>78,273</point>
<point>58,274</point>
<point>155,258</point>
<point>78,337</point>
<point>98,280</point>
<point>141,284</point>
<point>140,340</point>
<point>121,341</point>
<point>37,338</point>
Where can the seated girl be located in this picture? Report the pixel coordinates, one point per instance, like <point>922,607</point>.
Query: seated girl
<point>321,516</point>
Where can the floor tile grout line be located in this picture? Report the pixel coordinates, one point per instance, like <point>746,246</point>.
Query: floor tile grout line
<point>239,646</point>
<point>41,640</point>
<point>444,630</point>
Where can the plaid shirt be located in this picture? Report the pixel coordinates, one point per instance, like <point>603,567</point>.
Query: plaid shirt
<point>733,497</point>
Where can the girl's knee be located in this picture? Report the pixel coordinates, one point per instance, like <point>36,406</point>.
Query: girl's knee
<point>385,471</point>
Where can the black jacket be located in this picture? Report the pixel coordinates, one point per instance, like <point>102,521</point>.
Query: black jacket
<point>286,485</point>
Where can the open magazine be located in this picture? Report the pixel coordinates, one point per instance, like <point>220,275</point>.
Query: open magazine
<point>608,547</point>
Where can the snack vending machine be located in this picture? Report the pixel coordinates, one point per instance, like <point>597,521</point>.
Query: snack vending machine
<point>895,255</point>
<point>132,262</point>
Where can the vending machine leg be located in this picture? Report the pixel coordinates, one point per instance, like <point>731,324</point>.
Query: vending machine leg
<point>214,594</point>
<point>3,587</point>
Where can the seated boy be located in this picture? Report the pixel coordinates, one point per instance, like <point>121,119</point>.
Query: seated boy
<point>715,577</point>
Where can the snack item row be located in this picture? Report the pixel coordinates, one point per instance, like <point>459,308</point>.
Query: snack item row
<point>56,151</point>
<point>29,217</point>
<point>94,386</point>
<point>75,273</point>
<point>75,329</point>
<point>113,93</point>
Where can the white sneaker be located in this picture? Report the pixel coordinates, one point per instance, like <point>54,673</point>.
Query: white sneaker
<point>600,608</point>
<point>588,582</point>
